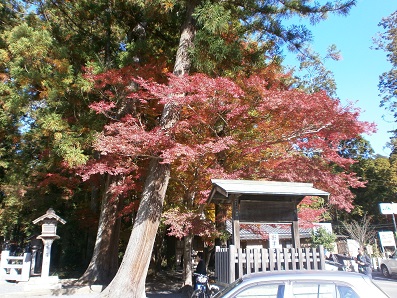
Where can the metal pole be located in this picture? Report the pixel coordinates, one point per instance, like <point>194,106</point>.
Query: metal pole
<point>394,220</point>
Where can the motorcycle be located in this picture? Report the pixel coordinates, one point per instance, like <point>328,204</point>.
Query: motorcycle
<point>204,287</point>
<point>338,262</point>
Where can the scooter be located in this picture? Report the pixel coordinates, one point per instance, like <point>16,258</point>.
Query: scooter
<point>203,287</point>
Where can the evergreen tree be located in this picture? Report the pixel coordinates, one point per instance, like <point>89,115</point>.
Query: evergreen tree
<point>387,41</point>
<point>45,52</point>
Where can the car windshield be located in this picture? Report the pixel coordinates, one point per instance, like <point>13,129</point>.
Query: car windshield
<point>228,288</point>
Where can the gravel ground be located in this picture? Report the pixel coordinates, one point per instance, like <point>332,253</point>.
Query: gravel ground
<point>163,285</point>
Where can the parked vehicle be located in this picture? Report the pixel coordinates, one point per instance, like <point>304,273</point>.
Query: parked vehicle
<point>204,287</point>
<point>389,266</point>
<point>303,283</point>
<point>338,262</point>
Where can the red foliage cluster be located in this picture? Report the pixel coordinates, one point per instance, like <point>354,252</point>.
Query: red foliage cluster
<point>183,223</point>
<point>225,129</point>
<point>65,181</point>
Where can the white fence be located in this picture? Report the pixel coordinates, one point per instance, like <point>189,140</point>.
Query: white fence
<point>16,268</point>
<point>232,263</point>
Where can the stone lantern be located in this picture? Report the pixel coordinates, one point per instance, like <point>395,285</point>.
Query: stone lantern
<point>48,223</point>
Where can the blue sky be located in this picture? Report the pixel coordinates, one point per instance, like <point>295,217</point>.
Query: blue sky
<point>357,74</point>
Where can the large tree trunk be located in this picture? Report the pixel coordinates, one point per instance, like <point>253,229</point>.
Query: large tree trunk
<point>130,279</point>
<point>157,253</point>
<point>187,260</point>
<point>104,262</point>
<point>187,245</point>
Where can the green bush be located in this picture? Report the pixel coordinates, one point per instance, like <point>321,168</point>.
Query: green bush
<point>322,237</point>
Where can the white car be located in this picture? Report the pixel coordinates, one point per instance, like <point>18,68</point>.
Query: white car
<point>389,266</point>
<point>303,283</point>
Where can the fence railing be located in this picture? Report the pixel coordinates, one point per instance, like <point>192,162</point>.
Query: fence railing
<point>16,268</point>
<point>232,263</point>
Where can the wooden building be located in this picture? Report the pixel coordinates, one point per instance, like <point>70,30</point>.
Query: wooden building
<point>262,202</point>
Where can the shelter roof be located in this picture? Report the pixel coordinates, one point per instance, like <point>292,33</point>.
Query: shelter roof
<point>262,190</point>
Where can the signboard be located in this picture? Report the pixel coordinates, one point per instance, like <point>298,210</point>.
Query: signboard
<point>325,225</point>
<point>267,211</point>
<point>352,247</point>
<point>387,239</point>
<point>388,208</point>
<point>274,241</point>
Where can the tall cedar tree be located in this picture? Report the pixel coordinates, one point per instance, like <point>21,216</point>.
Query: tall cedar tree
<point>74,26</point>
<point>387,41</point>
<point>234,130</point>
<point>149,212</point>
<point>79,32</point>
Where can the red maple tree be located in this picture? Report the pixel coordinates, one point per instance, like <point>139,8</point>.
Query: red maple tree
<point>249,128</point>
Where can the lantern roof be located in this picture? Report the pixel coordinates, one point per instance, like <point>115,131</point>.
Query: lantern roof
<point>50,214</point>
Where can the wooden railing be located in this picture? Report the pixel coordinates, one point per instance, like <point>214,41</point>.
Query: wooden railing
<point>15,268</point>
<point>232,263</point>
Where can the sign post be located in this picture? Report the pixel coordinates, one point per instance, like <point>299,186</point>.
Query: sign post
<point>389,208</point>
<point>387,239</point>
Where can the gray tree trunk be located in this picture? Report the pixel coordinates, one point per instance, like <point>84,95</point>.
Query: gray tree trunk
<point>187,246</point>
<point>104,261</point>
<point>131,276</point>
<point>130,279</point>
<point>187,260</point>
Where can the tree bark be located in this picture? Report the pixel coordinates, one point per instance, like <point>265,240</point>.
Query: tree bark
<point>187,260</point>
<point>104,261</point>
<point>182,59</point>
<point>130,278</point>
<point>157,253</point>
<point>187,245</point>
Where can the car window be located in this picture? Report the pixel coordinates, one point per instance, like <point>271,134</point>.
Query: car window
<point>322,290</point>
<point>347,292</point>
<point>263,291</point>
<point>229,288</point>
<point>314,290</point>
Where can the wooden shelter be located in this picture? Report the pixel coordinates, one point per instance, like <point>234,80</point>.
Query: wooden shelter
<point>262,202</point>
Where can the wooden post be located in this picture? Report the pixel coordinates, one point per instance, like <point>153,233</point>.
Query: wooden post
<point>247,261</point>
<point>265,258</point>
<point>271,259</point>
<point>240,262</point>
<point>295,234</point>
<point>300,258</point>
<point>314,254</point>
<point>322,257</point>
<point>293,258</point>
<point>286,259</point>
<point>307,255</point>
<point>278,259</point>
<point>218,263</point>
<point>236,221</point>
<point>256,260</point>
<point>232,264</point>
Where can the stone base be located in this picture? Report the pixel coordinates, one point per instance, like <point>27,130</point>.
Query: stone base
<point>48,283</point>
<point>47,286</point>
